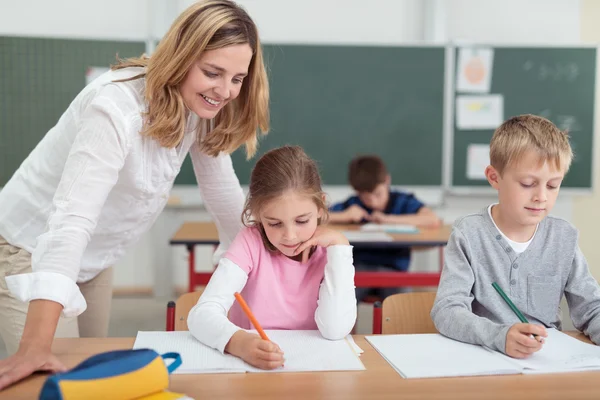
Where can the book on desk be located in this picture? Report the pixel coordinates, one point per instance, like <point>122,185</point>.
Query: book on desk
<point>436,356</point>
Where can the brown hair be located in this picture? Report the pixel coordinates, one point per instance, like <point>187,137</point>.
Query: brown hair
<point>206,25</point>
<point>276,172</point>
<point>366,172</point>
<point>530,132</point>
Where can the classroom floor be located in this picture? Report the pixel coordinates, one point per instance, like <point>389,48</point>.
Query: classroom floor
<point>132,314</point>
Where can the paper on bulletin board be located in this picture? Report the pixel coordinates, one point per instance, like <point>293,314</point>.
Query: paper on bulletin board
<point>478,158</point>
<point>92,73</point>
<point>479,112</point>
<point>474,73</point>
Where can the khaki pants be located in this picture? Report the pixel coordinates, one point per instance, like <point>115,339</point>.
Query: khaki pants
<point>93,322</point>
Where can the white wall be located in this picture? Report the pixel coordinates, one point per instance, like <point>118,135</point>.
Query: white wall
<point>107,19</point>
<point>381,22</point>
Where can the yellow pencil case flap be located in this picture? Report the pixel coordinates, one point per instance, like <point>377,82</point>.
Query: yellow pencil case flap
<point>115,375</point>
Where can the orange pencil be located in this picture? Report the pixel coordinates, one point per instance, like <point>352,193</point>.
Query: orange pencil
<point>251,316</point>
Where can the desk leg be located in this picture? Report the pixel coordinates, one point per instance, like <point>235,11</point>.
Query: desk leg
<point>192,264</point>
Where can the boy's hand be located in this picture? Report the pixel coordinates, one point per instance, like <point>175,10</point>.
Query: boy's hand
<point>378,217</point>
<point>520,342</point>
<point>323,237</point>
<point>355,214</point>
<point>255,351</point>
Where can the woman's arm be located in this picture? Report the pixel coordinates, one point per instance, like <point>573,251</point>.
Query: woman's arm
<point>222,194</point>
<point>91,171</point>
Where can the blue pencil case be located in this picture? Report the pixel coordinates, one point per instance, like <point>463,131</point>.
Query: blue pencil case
<point>115,375</point>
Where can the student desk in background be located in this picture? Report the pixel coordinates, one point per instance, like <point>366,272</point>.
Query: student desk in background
<point>378,381</point>
<point>191,234</point>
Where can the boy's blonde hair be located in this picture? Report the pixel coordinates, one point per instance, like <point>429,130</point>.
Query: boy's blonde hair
<point>277,171</point>
<point>206,25</point>
<point>518,135</point>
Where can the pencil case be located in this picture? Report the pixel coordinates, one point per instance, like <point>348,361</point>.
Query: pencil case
<point>115,375</point>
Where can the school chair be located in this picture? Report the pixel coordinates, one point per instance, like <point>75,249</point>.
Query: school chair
<point>404,313</point>
<point>177,312</point>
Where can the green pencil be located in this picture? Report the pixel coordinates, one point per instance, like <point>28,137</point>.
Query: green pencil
<point>510,303</point>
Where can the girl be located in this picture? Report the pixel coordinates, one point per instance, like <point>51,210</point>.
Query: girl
<point>293,272</point>
<point>99,179</point>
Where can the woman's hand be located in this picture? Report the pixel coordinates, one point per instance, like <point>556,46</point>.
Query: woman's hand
<point>25,362</point>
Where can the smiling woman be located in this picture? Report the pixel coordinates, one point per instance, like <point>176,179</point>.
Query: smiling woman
<point>99,178</point>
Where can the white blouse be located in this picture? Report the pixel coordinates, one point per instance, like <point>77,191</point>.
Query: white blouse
<point>94,185</point>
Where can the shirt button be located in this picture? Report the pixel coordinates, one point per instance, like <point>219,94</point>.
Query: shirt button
<point>513,282</point>
<point>515,266</point>
<point>508,249</point>
<point>498,237</point>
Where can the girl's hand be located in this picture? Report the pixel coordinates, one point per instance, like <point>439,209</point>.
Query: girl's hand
<point>323,237</point>
<point>255,351</point>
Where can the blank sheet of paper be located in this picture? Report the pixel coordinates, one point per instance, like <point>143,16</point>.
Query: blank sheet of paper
<point>433,356</point>
<point>303,351</point>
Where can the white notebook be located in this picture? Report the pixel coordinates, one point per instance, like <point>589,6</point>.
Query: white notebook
<point>303,351</point>
<point>434,356</point>
<point>389,228</point>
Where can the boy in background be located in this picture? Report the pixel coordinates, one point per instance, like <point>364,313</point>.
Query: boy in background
<point>376,202</point>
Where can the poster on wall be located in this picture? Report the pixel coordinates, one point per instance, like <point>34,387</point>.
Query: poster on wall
<point>478,158</point>
<point>479,112</point>
<point>474,72</point>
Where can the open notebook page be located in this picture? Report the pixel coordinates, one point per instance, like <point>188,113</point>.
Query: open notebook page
<point>434,356</point>
<point>560,353</point>
<point>303,351</point>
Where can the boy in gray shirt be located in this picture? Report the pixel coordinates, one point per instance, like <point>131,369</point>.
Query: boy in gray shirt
<point>533,257</point>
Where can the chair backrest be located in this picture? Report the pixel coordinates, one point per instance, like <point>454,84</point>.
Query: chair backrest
<point>405,313</point>
<point>184,304</point>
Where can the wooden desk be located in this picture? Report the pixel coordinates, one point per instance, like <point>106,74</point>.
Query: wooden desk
<point>191,234</point>
<point>196,233</point>
<point>378,381</point>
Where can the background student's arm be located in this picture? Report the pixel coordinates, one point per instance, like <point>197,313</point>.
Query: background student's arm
<point>207,320</point>
<point>336,310</point>
<point>425,217</point>
<point>222,194</point>
<point>452,313</point>
<point>583,297</point>
<point>342,213</point>
<point>91,171</point>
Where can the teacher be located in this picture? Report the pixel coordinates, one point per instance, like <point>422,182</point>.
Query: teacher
<point>101,176</point>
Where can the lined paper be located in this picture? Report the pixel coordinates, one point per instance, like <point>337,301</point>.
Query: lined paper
<point>303,351</point>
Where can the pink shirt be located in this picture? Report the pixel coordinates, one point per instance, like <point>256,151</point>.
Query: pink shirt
<point>282,293</point>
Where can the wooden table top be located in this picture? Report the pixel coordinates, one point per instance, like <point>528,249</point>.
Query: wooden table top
<point>378,381</point>
<point>192,233</point>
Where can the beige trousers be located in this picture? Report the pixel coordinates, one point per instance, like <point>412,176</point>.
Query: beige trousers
<point>93,322</point>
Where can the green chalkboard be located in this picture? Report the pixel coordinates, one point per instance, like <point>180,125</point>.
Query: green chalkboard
<point>39,78</point>
<point>557,83</point>
<point>340,101</point>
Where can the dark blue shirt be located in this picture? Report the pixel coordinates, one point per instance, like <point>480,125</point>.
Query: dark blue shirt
<point>399,203</point>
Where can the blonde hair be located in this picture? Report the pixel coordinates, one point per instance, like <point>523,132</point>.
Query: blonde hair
<point>528,132</point>
<point>206,25</point>
<point>276,172</point>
